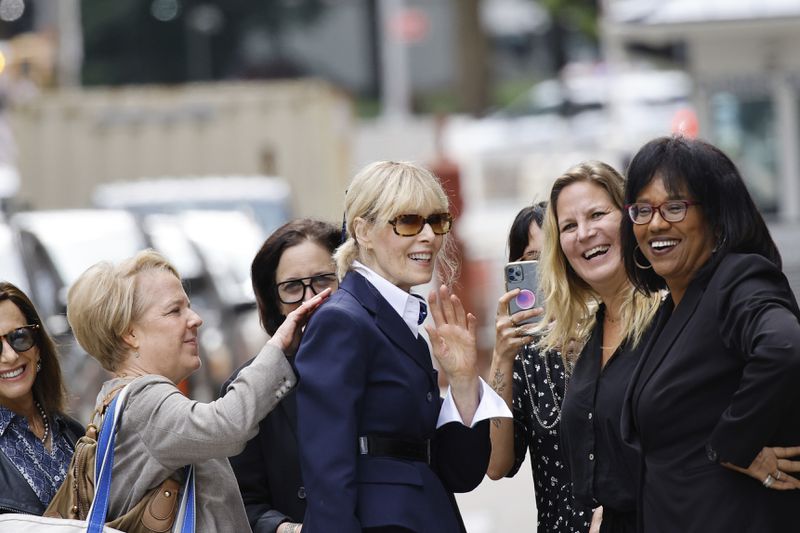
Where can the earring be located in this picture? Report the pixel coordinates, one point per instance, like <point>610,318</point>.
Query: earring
<point>635,262</point>
<point>38,366</point>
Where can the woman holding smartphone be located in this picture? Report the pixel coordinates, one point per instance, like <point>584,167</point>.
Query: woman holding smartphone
<point>593,309</point>
<point>532,383</point>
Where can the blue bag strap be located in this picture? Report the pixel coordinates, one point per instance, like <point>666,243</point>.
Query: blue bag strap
<point>185,521</point>
<point>104,461</point>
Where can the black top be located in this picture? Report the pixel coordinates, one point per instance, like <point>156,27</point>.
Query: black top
<point>603,468</point>
<point>539,380</point>
<point>268,469</point>
<point>718,383</point>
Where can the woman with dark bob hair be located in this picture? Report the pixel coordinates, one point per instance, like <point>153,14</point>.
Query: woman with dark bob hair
<point>712,403</point>
<point>36,438</point>
<point>293,265</point>
<point>266,264</point>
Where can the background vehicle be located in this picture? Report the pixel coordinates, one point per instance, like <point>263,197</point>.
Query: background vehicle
<point>56,247</point>
<point>264,199</point>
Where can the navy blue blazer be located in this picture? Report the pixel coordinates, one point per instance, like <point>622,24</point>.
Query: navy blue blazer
<point>362,372</point>
<point>717,382</point>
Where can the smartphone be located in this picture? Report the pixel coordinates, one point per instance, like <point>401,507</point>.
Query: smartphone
<point>523,275</point>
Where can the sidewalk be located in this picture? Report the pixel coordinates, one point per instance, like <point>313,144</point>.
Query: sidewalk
<point>506,505</point>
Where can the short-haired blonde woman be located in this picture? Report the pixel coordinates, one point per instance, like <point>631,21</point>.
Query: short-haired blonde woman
<point>136,320</point>
<point>380,451</point>
<point>590,303</point>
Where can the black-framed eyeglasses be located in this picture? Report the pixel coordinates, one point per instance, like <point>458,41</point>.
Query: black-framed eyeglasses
<point>20,339</point>
<point>410,225</point>
<point>671,210</point>
<point>293,291</point>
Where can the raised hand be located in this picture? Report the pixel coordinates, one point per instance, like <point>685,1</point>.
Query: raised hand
<point>453,335</point>
<point>454,343</point>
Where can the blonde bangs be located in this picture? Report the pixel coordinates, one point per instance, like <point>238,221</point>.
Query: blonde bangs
<point>381,191</point>
<point>409,191</point>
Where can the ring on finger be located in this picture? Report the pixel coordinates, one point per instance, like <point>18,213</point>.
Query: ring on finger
<point>514,324</point>
<point>768,481</point>
<point>777,475</point>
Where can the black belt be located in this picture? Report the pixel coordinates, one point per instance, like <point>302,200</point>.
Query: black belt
<point>411,450</point>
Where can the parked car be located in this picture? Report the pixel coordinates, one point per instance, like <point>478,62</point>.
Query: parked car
<point>57,246</point>
<point>212,250</point>
<point>265,199</point>
<point>226,242</point>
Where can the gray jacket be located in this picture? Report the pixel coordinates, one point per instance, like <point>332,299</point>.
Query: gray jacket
<point>161,431</point>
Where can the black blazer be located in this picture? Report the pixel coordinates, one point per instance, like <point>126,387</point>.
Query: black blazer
<point>362,372</point>
<point>268,469</point>
<point>718,382</point>
<point>16,495</point>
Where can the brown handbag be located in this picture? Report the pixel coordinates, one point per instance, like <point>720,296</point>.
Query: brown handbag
<point>155,513</point>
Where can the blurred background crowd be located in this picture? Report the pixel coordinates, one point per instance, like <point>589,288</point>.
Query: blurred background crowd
<point>197,127</point>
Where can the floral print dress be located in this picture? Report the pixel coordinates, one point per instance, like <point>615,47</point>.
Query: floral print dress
<point>539,383</point>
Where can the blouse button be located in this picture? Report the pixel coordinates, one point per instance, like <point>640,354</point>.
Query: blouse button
<point>301,493</point>
<point>590,415</point>
<point>429,396</point>
<point>591,457</point>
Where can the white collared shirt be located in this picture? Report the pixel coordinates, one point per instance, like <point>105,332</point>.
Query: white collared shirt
<point>402,302</point>
<point>490,405</point>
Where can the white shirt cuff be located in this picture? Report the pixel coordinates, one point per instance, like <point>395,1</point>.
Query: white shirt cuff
<point>490,405</point>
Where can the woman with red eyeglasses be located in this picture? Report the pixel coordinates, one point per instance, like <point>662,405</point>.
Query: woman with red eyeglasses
<point>36,438</point>
<point>380,451</point>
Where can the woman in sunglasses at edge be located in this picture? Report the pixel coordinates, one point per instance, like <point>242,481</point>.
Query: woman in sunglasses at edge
<point>380,451</point>
<point>36,437</point>
<point>294,264</point>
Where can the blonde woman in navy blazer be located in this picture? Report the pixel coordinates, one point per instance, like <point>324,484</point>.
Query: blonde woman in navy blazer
<point>713,403</point>
<point>380,451</point>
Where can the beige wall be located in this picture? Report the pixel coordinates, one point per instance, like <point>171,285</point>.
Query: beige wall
<point>69,141</point>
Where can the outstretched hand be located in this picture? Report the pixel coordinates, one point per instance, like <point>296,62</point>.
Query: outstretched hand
<point>453,335</point>
<point>455,347</point>
<point>287,337</point>
<point>772,466</point>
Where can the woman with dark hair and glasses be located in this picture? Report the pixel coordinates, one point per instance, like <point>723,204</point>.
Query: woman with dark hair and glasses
<point>532,383</point>
<point>36,438</point>
<point>713,403</point>
<point>380,451</point>
<point>293,265</point>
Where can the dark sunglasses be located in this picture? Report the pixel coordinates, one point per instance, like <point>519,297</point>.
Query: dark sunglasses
<point>21,339</point>
<point>410,225</point>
